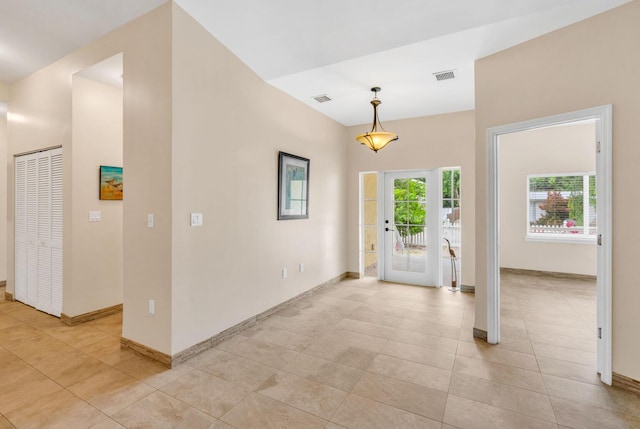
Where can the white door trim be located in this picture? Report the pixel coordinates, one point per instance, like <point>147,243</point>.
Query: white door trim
<point>381,202</point>
<point>603,118</point>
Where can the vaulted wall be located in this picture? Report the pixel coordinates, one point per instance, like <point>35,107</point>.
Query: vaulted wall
<point>228,126</point>
<point>588,64</point>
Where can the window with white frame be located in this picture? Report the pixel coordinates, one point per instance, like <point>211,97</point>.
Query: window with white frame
<point>450,210</point>
<point>562,206</point>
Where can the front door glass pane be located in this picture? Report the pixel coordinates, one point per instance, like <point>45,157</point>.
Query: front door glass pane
<point>410,216</point>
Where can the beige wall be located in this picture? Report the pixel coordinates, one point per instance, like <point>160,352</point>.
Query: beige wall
<point>4,97</point>
<point>553,150</point>
<point>588,64</point>
<point>96,247</point>
<point>5,90</point>
<point>425,143</point>
<point>228,126</point>
<point>41,117</point>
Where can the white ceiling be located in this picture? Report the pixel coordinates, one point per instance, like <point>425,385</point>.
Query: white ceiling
<point>35,33</point>
<point>308,47</point>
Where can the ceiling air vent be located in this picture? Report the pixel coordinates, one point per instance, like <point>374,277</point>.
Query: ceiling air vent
<point>444,75</point>
<point>321,98</point>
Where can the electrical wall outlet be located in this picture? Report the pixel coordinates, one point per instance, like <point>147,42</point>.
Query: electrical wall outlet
<point>152,306</point>
<point>150,220</point>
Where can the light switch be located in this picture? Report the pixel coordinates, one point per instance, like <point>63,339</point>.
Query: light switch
<point>150,220</point>
<point>95,216</point>
<point>196,219</point>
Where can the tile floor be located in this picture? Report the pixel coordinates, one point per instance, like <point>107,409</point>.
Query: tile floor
<point>361,354</point>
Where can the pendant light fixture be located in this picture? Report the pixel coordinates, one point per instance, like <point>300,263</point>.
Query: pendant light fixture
<point>374,139</point>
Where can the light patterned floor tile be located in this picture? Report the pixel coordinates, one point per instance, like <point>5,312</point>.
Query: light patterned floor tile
<point>509,375</point>
<point>219,424</point>
<point>503,396</point>
<point>21,385</point>
<point>570,370</point>
<point>323,371</point>
<point>279,337</point>
<point>433,328</point>
<point>375,317</point>
<point>237,370</point>
<point>206,392</point>
<point>481,350</point>
<point>359,412</point>
<point>368,328</point>
<point>60,409</point>
<point>354,339</point>
<point>419,354</point>
<point>258,351</point>
<point>70,367</point>
<point>310,396</point>
<point>341,353</point>
<point>563,353</point>
<point>5,423</point>
<point>258,411</point>
<point>404,395</point>
<point>428,376</point>
<point>583,416</point>
<point>429,341</point>
<point>333,426</point>
<point>160,411</point>
<point>111,390</point>
<point>468,414</point>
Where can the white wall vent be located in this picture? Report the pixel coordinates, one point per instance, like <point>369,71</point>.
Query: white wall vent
<point>444,75</point>
<point>321,98</point>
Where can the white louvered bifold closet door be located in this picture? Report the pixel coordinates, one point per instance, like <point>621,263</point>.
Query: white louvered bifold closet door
<point>43,227</point>
<point>56,232</point>
<point>39,230</point>
<point>21,230</point>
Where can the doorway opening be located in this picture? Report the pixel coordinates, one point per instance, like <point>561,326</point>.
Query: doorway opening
<point>536,233</point>
<point>96,189</point>
<point>410,226</point>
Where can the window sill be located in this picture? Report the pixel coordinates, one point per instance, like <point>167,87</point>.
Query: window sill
<point>564,238</point>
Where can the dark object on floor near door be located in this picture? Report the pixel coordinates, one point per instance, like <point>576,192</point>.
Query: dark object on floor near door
<point>454,271</point>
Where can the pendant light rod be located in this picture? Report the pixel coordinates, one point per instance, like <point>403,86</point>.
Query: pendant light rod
<point>375,103</point>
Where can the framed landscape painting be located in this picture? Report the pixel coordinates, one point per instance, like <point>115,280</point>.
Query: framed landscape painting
<point>110,183</point>
<point>293,187</point>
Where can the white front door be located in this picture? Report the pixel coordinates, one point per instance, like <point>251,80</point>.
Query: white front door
<point>410,227</point>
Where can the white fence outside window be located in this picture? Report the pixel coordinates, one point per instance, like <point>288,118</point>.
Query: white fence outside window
<point>561,205</point>
<point>452,233</point>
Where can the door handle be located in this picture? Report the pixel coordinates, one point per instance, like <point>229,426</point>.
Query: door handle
<point>387,229</point>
